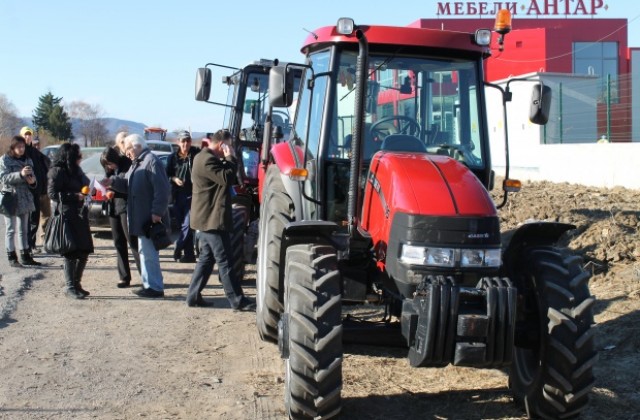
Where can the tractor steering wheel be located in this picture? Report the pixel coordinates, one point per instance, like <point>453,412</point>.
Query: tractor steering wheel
<point>384,127</point>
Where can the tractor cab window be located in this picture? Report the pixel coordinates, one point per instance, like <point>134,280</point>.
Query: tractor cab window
<point>253,99</point>
<point>254,107</point>
<point>433,100</point>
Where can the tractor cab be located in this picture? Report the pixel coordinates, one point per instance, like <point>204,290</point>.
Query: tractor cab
<point>247,110</point>
<point>413,99</point>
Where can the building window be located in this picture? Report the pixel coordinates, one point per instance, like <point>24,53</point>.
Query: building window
<point>599,59</point>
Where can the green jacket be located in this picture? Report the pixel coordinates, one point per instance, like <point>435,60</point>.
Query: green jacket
<point>212,179</point>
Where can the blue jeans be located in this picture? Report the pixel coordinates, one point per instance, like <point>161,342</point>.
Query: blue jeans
<point>16,224</point>
<point>215,246</point>
<point>150,265</point>
<point>182,211</point>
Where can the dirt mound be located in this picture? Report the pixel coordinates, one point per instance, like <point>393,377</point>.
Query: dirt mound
<point>607,220</point>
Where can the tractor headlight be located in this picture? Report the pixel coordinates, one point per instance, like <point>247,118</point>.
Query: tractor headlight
<point>450,257</point>
<point>438,257</point>
<point>480,258</point>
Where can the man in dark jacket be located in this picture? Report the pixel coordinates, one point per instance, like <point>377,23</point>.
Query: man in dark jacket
<point>41,165</point>
<point>148,192</point>
<point>179,167</point>
<point>214,173</point>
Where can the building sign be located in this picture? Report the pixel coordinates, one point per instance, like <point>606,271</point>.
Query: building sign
<point>528,8</point>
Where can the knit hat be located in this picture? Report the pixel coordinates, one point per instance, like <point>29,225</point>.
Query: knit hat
<point>24,130</point>
<point>184,134</point>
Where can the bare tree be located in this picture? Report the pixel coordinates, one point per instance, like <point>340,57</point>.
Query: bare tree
<point>9,120</point>
<point>89,124</point>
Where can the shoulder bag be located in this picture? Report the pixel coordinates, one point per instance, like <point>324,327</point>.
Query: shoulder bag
<point>8,203</point>
<point>58,238</point>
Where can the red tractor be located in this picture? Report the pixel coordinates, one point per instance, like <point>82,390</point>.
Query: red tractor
<point>251,122</point>
<point>380,198</point>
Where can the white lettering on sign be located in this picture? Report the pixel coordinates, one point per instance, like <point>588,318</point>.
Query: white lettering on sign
<point>534,8</point>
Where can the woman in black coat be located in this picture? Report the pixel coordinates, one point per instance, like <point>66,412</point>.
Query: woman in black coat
<point>118,164</point>
<point>66,182</point>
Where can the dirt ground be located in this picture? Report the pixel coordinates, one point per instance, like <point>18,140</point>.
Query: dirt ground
<point>115,356</point>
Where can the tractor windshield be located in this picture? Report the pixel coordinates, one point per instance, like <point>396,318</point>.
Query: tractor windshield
<point>432,99</point>
<point>250,91</point>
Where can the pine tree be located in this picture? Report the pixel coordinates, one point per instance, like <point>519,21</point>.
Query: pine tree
<point>59,124</point>
<point>51,116</point>
<point>40,117</point>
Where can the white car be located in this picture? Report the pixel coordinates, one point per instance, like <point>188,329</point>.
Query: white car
<point>161,146</point>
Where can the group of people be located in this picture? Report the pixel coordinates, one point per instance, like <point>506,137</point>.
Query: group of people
<point>139,190</point>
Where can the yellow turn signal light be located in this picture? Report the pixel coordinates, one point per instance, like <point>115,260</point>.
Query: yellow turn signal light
<point>298,174</point>
<point>511,185</point>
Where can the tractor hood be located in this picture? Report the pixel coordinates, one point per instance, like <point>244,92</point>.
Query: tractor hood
<point>421,186</point>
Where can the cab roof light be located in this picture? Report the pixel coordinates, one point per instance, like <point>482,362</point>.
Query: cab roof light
<point>345,26</point>
<point>483,37</point>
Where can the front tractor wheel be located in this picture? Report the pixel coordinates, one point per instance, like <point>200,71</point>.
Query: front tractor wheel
<point>310,333</point>
<point>276,211</point>
<point>552,370</point>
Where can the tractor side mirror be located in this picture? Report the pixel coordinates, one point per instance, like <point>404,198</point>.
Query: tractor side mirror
<point>203,84</point>
<point>281,86</point>
<point>540,104</point>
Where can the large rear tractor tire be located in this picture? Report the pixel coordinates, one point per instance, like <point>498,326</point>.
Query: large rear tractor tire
<point>239,215</point>
<point>310,333</point>
<point>275,212</point>
<point>552,370</point>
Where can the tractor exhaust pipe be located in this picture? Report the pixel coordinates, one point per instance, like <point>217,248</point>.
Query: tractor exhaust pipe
<point>362,64</point>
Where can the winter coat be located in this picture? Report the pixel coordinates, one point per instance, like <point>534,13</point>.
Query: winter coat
<point>63,188</point>
<point>11,180</point>
<point>148,190</point>
<point>119,201</point>
<point>212,180</point>
<point>181,167</point>
<point>41,165</point>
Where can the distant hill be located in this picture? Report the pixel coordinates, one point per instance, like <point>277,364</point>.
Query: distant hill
<point>114,125</point>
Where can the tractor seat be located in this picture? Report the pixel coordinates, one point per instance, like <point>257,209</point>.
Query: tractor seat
<point>403,143</point>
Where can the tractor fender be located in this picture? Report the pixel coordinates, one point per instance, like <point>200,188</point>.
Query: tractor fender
<point>308,231</point>
<point>286,157</point>
<point>531,234</point>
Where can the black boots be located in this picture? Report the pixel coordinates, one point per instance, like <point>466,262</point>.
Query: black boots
<point>27,260</point>
<point>13,259</point>
<point>69,268</point>
<point>81,263</point>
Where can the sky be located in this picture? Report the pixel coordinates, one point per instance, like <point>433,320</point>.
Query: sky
<point>137,59</point>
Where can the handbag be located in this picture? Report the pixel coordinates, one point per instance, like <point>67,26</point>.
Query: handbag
<point>58,238</point>
<point>157,232</point>
<point>8,203</point>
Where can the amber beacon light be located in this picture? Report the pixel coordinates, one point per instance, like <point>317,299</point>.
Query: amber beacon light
<point>502,25</point>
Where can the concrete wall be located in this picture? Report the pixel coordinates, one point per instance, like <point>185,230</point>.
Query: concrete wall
<point>586,163</point>
<point>599,165</point>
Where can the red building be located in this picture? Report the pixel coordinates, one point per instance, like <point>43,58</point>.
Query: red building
<point>579,46</point>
